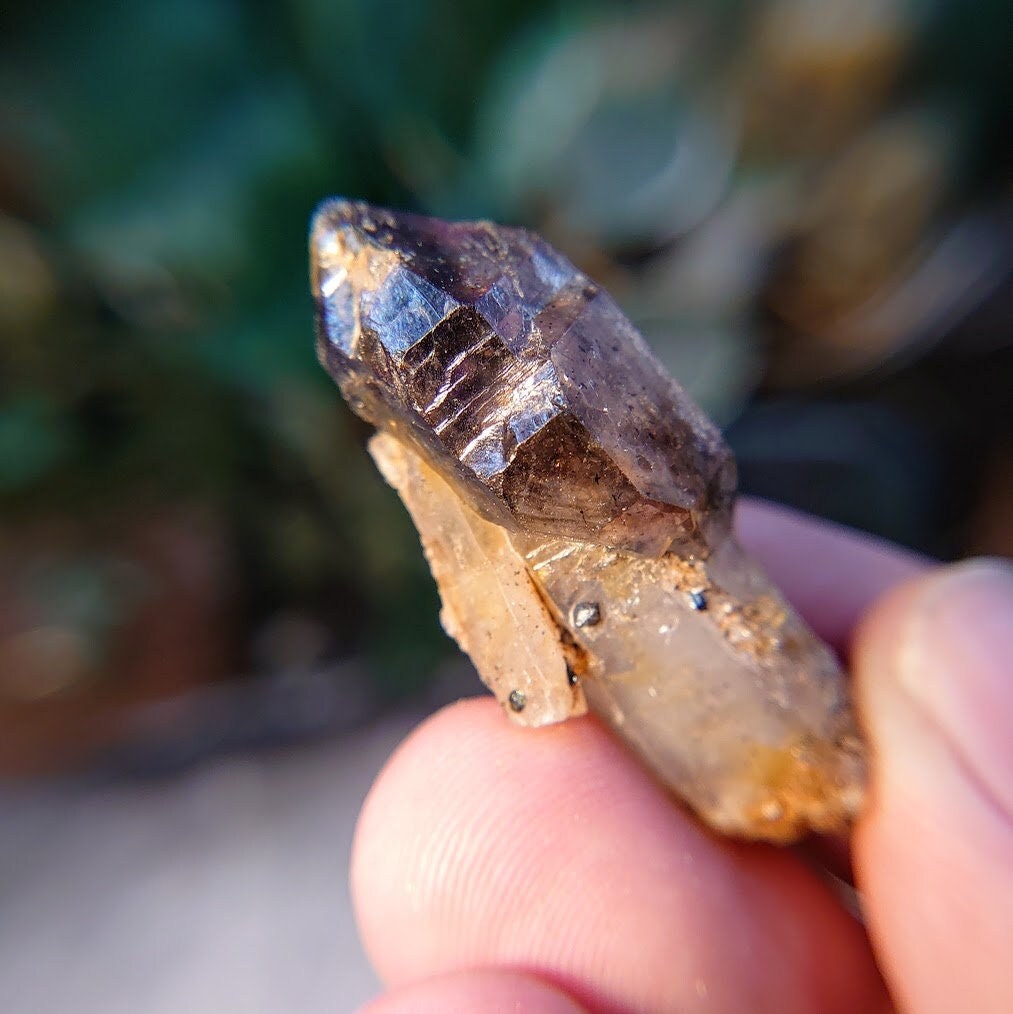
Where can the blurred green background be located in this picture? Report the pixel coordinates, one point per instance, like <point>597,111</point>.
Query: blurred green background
<point>805,206</point>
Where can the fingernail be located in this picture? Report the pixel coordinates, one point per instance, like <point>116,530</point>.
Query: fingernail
<point>956,662</point>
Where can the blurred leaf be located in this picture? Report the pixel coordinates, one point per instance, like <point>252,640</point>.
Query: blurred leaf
<point>34,440</point>
<point>124,81</point>
<point>189,211</point>
<point>599,123</point>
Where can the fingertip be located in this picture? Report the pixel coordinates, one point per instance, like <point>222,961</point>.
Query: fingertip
<point>551,850</point>
<point>935,848</point>
<point>385,844</point>
<point>492,991</point>
<point>934,662</point>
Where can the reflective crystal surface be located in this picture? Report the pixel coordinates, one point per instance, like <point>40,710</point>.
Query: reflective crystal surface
<point>499,359</point>
<point>574,505</point>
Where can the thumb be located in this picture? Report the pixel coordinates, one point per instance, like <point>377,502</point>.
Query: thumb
<point>934,852</point>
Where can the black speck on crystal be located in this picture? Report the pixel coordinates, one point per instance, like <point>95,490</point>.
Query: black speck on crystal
<point>586,614</point>
<point>517,700</point>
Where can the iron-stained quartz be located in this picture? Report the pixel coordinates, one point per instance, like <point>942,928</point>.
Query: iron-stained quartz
<point>575,508</point>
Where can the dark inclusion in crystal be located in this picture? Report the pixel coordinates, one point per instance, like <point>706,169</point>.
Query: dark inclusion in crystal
<point>511,369</point>
<point>517,700</point>
<point>586,614</point>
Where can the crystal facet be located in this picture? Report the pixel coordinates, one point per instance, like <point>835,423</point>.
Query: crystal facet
<point>575,508</point>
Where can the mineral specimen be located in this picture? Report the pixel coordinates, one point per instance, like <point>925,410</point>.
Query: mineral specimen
<point>575,508</point>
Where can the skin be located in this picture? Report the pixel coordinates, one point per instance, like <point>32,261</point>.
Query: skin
<point>498,868</point>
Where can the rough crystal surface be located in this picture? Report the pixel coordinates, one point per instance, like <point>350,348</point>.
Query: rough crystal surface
<point>574,504</point>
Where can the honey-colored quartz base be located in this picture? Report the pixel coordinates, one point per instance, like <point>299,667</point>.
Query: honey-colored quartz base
<point>700,667</point>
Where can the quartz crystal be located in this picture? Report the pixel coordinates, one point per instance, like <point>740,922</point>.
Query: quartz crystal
<point>575,508</point>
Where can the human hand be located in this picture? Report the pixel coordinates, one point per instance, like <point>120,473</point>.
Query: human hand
<point>498,868</point>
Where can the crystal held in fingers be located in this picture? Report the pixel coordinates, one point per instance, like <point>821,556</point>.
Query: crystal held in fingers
<point>575,508</point>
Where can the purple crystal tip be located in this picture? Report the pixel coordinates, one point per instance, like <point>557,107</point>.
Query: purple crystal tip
<point>513,371</point>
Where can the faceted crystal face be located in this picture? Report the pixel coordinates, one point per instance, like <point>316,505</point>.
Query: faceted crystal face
<point>574,506</point>
<point>499,358</point>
